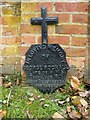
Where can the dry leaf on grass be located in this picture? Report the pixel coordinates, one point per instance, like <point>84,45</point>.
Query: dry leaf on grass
<point>42,104</point>
<point>29,103</point>
<point>2,113</point>
<point>0,117</point>
<point>83,110</point>
<point>68,99</point>
<point>60,102</point>
<point>75,83</point>
<point>80,73</point>
<point>74,114</point>
<point>31,99</point>
<point>87,82</point>
<point>76,100</point>
<point>17,82</point>
<point>84,103</point>
<point>79,100</point>
<point>84,94</point>
<point>69,109</point>
<point>56,115</point>
<point>8,84</point>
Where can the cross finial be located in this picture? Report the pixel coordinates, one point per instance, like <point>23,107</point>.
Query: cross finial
<point>44,21</point>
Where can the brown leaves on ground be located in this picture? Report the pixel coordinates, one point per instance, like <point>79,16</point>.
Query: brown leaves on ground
<point>73,114</point>
<point>8,84</point>
<point>56,115</point>
<point>79,100</point>
<point>75,83</point>
<point>2,114</point>
<point>84,93</point>
<point>79,107</point>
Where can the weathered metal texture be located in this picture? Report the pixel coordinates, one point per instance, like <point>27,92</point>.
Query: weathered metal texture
<point>45,65</point>
<point>44,21</point>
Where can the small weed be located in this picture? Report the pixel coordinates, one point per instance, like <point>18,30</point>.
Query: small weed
<point>13,78</point>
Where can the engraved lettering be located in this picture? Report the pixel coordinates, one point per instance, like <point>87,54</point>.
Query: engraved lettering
<point>43,71</point>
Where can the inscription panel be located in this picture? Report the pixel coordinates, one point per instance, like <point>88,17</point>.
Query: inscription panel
<point>46,67</point>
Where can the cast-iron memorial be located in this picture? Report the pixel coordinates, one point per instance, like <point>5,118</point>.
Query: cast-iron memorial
<point>45,64</point>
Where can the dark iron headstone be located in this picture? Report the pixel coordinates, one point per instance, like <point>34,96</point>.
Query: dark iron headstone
<point>45,65</point>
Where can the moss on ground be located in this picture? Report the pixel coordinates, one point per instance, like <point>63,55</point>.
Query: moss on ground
<point>20,103</point>
<point>28,102</point>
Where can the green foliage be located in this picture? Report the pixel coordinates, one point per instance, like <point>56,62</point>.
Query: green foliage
<point>20,103</point>
<point>13,78</point>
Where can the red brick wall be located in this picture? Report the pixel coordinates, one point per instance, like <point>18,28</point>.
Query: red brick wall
<point>10,37</point>
<point>18,34</point>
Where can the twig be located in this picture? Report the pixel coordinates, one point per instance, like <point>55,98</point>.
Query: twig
<point>9,97</point>
<point>29,115</point>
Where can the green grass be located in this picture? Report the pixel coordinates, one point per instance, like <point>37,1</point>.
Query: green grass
<point>19,102</point>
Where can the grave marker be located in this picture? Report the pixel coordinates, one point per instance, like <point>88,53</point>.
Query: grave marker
<point>45,64</point>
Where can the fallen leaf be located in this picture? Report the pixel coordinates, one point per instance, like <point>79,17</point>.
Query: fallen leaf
<point>30,103</point>
<point>83,111</point>
<point>8,84</point>
<point>56,115</point>
<point>68,99</point>
<point>61,102</point>
<point>84,103</point>
<point>29,93</point>
<point>80,73</point>
<point>42,99</point>
<point>76,100</point>
<point>31,99</point>
<point>75,83</point>
<point>46,105</point>
<point>74,114</point>
<point>87,82</point>
<point>56,100</point>
<point>42,104</point>
<point>2,113</point>
<point>74,97</point>
<point>4,102</point>
<point>84,94</point>
<point>39,96</point>
<point>17,82</point>
<point>35,97</point>
<point>69,109</point>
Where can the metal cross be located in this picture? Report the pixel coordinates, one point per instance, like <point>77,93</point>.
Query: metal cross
<point>44,21</point>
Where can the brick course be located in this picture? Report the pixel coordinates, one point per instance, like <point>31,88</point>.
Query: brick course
<point>18,34</point>
<point>71,7</point>
<point>71,29</point>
